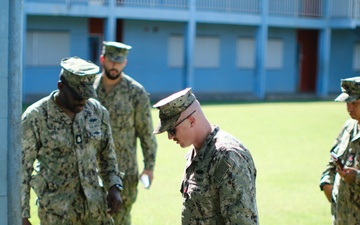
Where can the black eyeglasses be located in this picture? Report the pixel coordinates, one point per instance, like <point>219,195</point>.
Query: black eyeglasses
<point>172,130</point>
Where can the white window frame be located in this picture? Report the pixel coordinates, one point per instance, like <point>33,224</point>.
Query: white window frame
<point>356,57</point>
<point>46,48</point>
<point>274,54</point>
<point>245,53</point>
<point>207,52</point>
<point>176,51</point>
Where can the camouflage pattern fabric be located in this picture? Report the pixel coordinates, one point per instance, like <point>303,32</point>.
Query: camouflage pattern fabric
<point>79,75</point>
<point>219,183</point>
<point>130,116</point>
<point>345,206</point>
<point>350,88</point>
<point>70,156</point>
<point>115,51</point>
<point>170,108</point>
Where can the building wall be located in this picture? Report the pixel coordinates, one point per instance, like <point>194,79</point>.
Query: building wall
<point>284,80</point>
<point>39,81</point>
<point>148,59</point>
<point>341,62</point>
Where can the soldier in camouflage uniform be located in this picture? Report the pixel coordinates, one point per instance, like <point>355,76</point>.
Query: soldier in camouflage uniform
<point>68,135</point>
<point>218,186</point>
<point>130,116</point>
<point>342,186</point>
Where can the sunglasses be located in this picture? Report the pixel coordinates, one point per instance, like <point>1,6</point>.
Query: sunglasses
<point>172,130</point>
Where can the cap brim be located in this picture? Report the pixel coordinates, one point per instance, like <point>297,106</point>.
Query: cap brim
<point>118,59</point>
<point>87,91</point>
<point>164,125</point>
<point>90,92</point>
<point>344,97</point>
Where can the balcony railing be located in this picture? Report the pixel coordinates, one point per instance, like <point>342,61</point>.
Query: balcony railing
<point>306,8</point>
<point>247,6</point>
<point>291,8</point>
<point>155,3</point>
<point>345,9</point>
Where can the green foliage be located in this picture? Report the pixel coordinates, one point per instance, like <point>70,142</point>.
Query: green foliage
<point>290,144</point>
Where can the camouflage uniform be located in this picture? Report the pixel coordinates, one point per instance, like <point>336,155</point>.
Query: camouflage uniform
<point>218,186</point>
<point>70,155</point>
<point>345,205</point>
<point>219,183</point>
<point>130,116</point>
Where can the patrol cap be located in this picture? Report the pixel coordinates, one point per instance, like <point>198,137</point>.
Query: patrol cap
<point>115,51</point>
<point>350,88</point>
<point>79,74</point>
<point>171,108</point>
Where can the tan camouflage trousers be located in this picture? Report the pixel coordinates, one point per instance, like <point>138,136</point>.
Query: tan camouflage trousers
<point>128,196</point>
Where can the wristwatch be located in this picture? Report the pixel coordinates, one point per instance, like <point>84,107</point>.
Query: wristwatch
<point>118,186</point>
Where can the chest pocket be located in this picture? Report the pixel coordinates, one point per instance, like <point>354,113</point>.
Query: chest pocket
<point>93,129</point>
<point>197,187</point>
<point>122,114</point>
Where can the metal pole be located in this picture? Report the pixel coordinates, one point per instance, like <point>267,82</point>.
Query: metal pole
<point>14,110</point>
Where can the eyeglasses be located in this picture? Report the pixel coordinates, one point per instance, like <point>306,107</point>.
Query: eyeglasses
<point>172,130</point>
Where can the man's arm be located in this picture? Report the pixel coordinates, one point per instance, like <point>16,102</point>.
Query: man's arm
<point>327,188</point>
<point>30,146</point>
<point>237,191</point>
<point>144,130</point>
<point>108,165</point>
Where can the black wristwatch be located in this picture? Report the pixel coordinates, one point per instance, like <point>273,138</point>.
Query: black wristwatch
<point>118,186</point>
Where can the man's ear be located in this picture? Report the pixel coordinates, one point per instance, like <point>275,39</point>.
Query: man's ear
<point>60,85</point>
<point>102,59</point>
<point>192,120</point>
<point>125,62</point>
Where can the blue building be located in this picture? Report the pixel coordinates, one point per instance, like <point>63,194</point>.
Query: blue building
<point>223,49</point>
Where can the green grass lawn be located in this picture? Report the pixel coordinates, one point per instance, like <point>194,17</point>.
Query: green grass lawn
<point>290,144</point>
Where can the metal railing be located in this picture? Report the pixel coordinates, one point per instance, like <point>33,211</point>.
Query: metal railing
<point>292,8</point>
<point>251,6</point>
<point>344,8</point>
<point>305,8</point>
<point>155,3</point>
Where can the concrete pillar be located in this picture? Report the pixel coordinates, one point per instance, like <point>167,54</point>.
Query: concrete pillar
<point>260,57</point>
<point>190,38</point>
<point>10,110</point>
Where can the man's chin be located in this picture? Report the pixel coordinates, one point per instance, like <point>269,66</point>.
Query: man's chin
<point>113,77</point>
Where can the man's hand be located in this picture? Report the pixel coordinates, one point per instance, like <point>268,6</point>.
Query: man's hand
<point>348,174</point>
<point>114,200</point>
<point>25,221</point>
<point>150,175</point>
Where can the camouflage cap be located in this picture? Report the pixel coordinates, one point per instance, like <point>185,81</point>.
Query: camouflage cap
<point>171,108</point>
<point>350,88</point>
<point>115,51</point>
<point>79,74</point>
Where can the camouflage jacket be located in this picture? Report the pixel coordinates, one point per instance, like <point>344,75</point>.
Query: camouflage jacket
<point>346,208</point>
<point>219,183</point>
<point>70,155</point>
<point>130,116</point>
